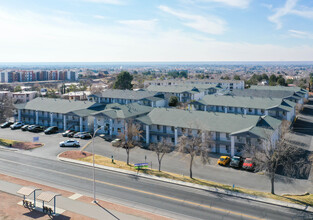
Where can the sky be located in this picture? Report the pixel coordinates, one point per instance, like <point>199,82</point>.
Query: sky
<point>155,30</point>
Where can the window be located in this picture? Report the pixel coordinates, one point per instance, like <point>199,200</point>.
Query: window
<point>262,111</point>
<point>172,128</point>
<point>158,127</point>
<point>227,149</point>
<point>173,140</point>
<point>250,109</point>
<point>119,130</point>
<point>183,130</point>
<point>227,136</point>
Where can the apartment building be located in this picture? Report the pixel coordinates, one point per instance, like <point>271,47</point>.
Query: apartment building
<point>148,98</point>
<point>113,119</point>
<point>24,96</point>
<point>65,114</point>
<point>275,107</point>
<point>225,84</point>
<point>30,76</point>
<point>226,133</point>
<point>185,93</point>
<point>297,90</point>
<point>282,94</point>
<point>80,95</point>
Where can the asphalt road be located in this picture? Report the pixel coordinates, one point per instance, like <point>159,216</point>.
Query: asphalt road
<point>172,162</point>
<point>169,199</point>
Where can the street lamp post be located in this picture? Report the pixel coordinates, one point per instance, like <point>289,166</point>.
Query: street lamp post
<point>93,165</point>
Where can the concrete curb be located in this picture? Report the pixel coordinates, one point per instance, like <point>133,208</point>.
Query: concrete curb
<point>196,186</point>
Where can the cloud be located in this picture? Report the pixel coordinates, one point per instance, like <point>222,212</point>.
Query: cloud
<point>300,34</point>
<point>143,25</point>
<point>208,24</point>
<point>99,17</point>
<point>233,3</point>
<point>290,8</point>
<point>111,2</point>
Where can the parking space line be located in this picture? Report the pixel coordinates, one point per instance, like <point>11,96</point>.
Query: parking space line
<point>86,145</point>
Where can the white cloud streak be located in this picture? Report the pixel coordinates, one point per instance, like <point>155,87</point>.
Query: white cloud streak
<point>232,3</point>
<point>111,2</point>
<point>287,9</point>
<point>142,25</point>
<point>300,34</point>
<point>206,24</point>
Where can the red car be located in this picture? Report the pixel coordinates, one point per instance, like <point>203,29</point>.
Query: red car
<point>248,164</point>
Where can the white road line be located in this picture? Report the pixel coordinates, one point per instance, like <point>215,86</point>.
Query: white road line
<point>75,196</point>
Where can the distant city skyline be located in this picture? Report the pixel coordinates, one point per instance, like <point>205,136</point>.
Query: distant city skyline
<point>156,31</point>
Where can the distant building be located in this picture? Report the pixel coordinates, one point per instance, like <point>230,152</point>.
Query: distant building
<point>185,92</point>
<point>23,97</point>
<point>149,98</point>
<point>80,95</point>
<point>225,84</point>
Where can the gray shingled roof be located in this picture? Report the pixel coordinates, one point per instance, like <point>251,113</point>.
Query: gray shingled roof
<point>279,88</point>
<point>245,102</point>
<point>180,88</point>
<point>58,105</point>
<point>116,110</point>
<point>125,94</point>
<point>208,121</point>
<point>263,93</point>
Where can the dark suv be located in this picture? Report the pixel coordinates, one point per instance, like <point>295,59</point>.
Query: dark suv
<point>236,162</point>
<point>51,130</point>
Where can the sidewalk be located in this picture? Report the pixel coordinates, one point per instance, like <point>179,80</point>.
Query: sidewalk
<point>74,205</point>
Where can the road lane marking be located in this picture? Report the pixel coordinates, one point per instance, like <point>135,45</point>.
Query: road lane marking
<point>141,191</point>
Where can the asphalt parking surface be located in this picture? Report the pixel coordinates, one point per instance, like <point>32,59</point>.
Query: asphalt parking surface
<point>51,142</point>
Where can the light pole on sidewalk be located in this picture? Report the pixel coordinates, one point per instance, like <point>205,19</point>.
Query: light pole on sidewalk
<point>93,164</point>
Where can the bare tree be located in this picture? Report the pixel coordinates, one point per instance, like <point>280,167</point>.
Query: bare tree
<point>299,108</point>
<point>130,137</point>
<point>194,145</point>
<point>6,108</point>
<point>272,154</point>
<point>160,149</point>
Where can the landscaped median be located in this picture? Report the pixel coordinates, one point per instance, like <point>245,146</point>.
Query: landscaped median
<point>284,200</point>
<point>19,144</point>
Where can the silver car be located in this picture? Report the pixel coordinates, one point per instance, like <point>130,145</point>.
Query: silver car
<point>70,143</point>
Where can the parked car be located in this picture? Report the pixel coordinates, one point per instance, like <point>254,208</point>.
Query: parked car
<point>223,160</point>
<point>51,130</point>
<point>105,137</point>
<point>16,125</point>
<point>36,128</point>
<point>236,162</point>
<point>25,127</point>
<point>116,142</point>
<point>248,164</point>
<point>82,135</point>
<point>65,133</point>
<point>6,124</point>
<point>71,134</point>
<point>70,143</point>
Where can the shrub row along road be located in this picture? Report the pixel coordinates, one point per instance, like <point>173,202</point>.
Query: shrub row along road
<point>169,199</point>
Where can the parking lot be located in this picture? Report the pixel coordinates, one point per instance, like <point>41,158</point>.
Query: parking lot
<point>51,142</point>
